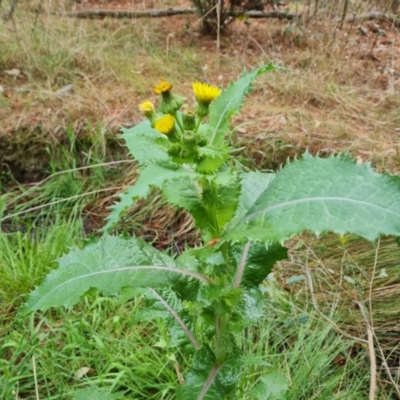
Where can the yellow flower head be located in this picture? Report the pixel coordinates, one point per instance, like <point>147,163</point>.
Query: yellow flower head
<point>148,110</point>
<point>165,124</point>
<point>147,107</point>
<point>163,87</point>
<point>205,93</point>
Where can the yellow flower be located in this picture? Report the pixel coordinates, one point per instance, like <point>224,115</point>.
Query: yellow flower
<point>205,93</point>
<point>170,102</point>
<point>165,124</point>
<point>146,107</point>
<point>163,87</point>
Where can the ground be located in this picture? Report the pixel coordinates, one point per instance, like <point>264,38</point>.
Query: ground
<point>337,90</point>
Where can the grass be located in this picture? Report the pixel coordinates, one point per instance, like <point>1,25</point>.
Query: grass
<point>100,335</point>
<point>339,95</point>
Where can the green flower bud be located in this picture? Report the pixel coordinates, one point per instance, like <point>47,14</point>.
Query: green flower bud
<point>174,149</point>
<point>189,121</point>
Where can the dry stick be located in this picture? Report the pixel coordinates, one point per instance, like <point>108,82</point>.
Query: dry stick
<point>127,13</point>
<point>171,12</point>
<point>218,28</point>
<point>384,363</point>
<point>169,36</point>
<point>346,6</point>
<point>372,15</point>
<point>205,15</point>
<point>178,371</point>
<point>38,11</point>
<point>35,378</point>
<point>372,282</point>
<point>371,351</point>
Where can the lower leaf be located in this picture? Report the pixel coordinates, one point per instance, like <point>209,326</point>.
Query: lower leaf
<point>109,265</point>
<point>272,386</point>
<point>208,380</point>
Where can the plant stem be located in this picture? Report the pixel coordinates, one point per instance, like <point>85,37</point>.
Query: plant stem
<point>209,381</point>
<point>221,337</point>
<point>178,122</point>
<point>221,328</point>
<point>177,319</point>
<point>240,270</point>
<point>200,120</point>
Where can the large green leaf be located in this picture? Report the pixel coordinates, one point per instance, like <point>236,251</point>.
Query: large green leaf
<point>207,379</point>
<point>108,266</point>
<point>230,102</point>
<point>146,144</point>
<point>153,175</point>
<point>319,195</point>
<point>272,386</point>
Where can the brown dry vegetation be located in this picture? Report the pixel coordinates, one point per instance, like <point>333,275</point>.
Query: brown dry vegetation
<point>341,92</point>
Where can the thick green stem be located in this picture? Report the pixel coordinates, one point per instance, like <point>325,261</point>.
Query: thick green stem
<point>222,338</point>
<point>199,121</point>
<point>179,123</point>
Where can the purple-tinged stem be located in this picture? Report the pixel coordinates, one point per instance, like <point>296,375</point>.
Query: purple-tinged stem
<point>240,270</point>
<point>209,381</point>
<point>177,319</point>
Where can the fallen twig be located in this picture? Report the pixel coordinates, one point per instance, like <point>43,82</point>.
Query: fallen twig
<point>371,351</point>
<point>170,12</point>
<point>375,15</point>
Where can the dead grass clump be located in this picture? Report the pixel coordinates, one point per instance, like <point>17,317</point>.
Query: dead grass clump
<point>345,273</point>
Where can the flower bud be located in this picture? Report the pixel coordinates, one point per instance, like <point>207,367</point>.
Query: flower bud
<point>189,121</point>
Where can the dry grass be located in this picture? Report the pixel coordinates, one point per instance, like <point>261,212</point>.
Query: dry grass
<point>345,273</point>
<point>341,92</point>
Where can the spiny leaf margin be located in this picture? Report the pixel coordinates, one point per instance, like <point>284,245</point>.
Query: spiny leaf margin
<point>323,194</point>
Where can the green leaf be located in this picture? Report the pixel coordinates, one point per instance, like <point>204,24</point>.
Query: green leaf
<point>260,262</point>
<point>227,199</point>
<point>163,303</point>
<point>108,266</point>
<point>272,386</point>
<point>230,102</point>
<point>153,175</point>
<point>96,394</point>
<point>154,308</point>
<point>146,144</point>
<point>253,185</point>
<point>222,379</point>
<point>319,195</point>
<point>248,310</point>
<point>186,193</point>
<point>213,159</point>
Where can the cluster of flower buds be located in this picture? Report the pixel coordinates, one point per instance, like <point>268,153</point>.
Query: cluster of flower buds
<point>180,128</point>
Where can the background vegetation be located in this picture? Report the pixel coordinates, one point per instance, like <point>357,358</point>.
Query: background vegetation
<point>61,164</point>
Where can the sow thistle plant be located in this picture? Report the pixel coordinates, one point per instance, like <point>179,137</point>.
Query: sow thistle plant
<point>208,294</point>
